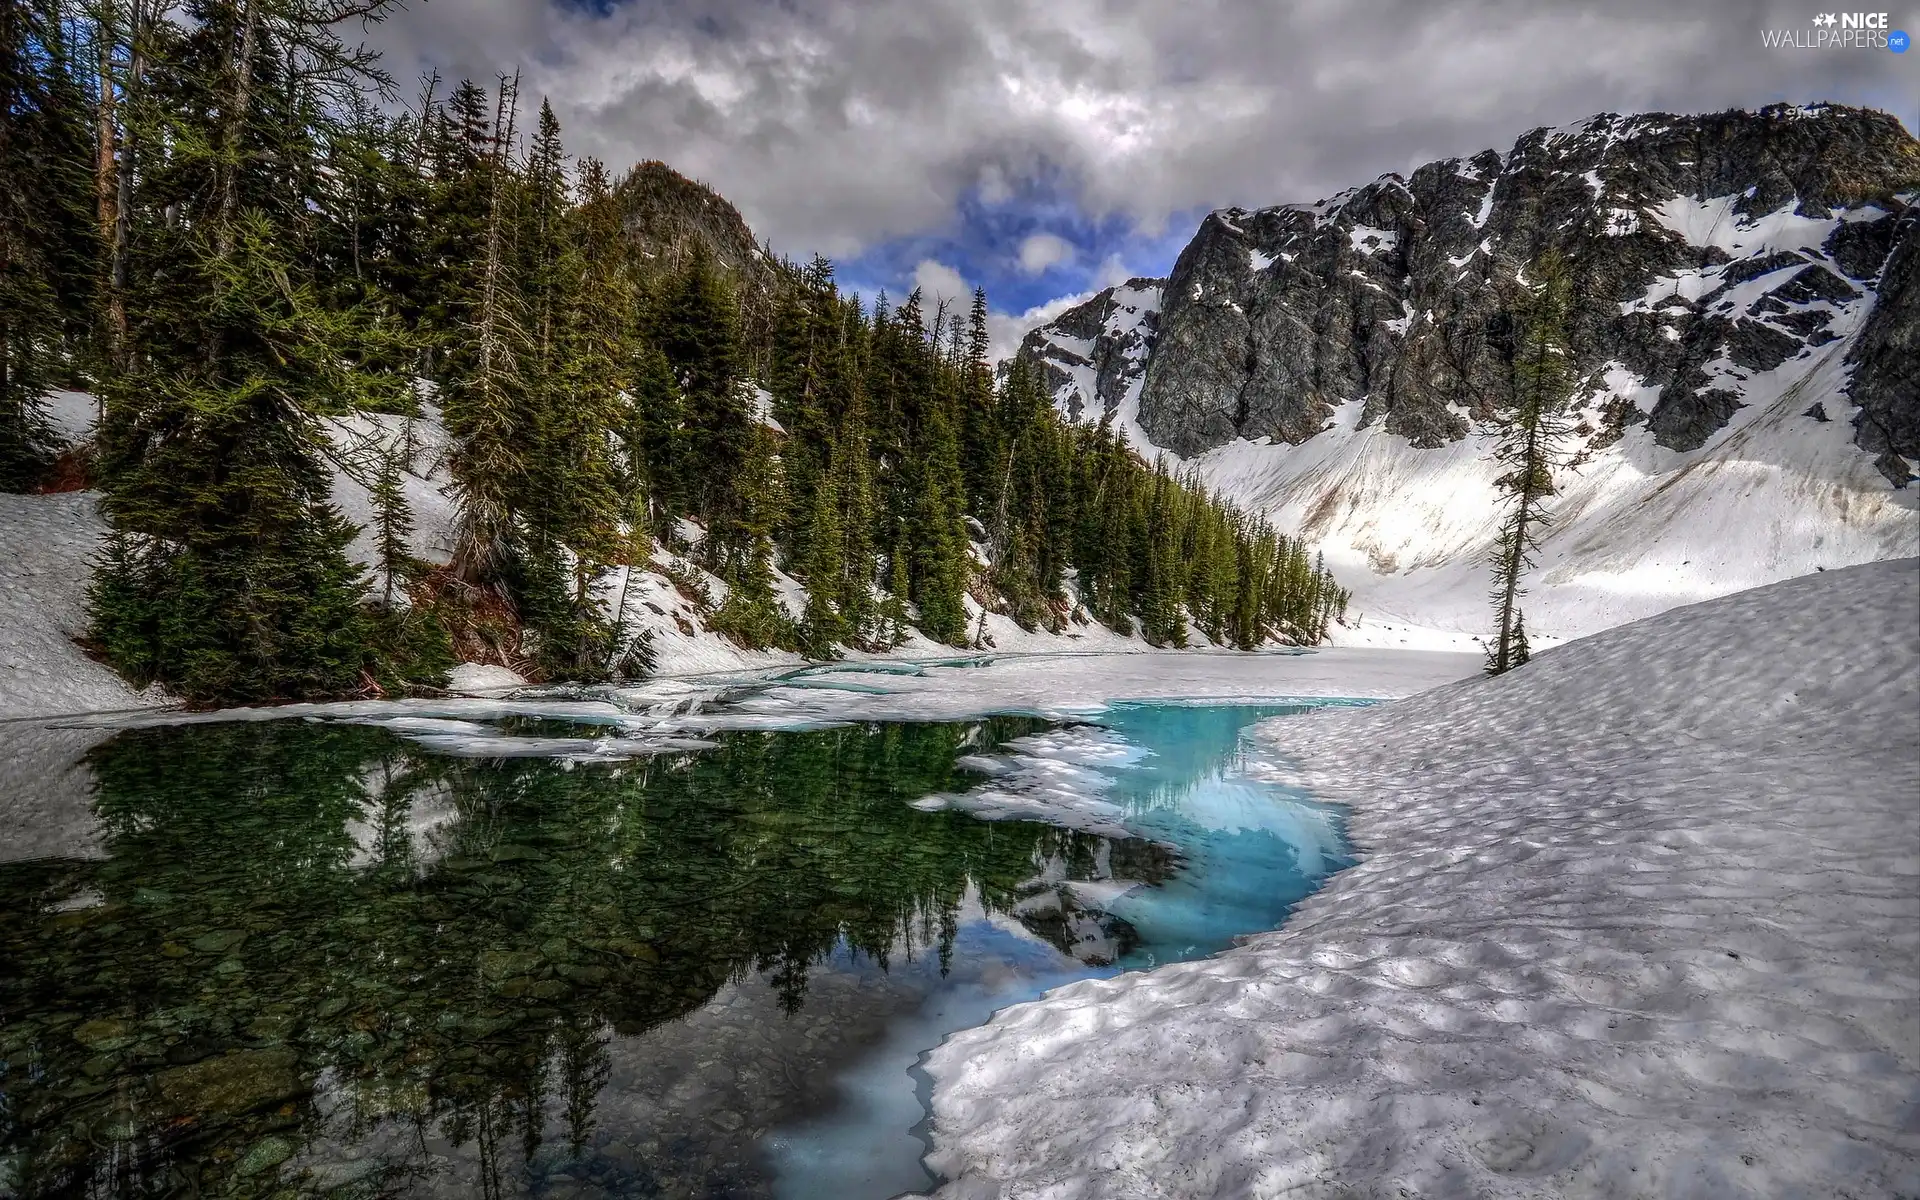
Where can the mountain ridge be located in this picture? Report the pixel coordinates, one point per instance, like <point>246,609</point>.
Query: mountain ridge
<point>1746,313</point>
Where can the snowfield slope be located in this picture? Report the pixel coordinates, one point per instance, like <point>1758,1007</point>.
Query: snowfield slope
<point>1747,300</point>
<point>1637,919</point>
<point>47,544</point>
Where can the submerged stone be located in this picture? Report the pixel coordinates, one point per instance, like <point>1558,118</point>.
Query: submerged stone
<point>264,1155</point>
<point>233,1083</point>
<point>104,1035</point>
<point>219,941</point>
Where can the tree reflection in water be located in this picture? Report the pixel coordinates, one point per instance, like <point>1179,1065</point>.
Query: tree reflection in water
<point>319,961</point>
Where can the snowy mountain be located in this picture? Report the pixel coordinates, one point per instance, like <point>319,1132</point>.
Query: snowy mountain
<point>1746,317</point>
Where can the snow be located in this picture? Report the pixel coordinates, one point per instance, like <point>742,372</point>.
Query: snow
<point>1636,919</point>
<point>1622,221</point>
<point>48,544</point>
<point>1258,261</point>
<point>1712,222</point>
<point>482,678</point>
<point>1638,528</point>
<point>73,414</point>
<point>1368,240</point>
<point>1479,219</point>
<point>1125,325</point>
<point>356,444</point>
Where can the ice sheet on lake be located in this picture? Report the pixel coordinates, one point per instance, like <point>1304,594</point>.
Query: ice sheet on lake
<point>1636,919</point>
<point>673,715</point>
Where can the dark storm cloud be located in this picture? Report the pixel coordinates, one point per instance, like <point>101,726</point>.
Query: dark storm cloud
<point>837,125</point>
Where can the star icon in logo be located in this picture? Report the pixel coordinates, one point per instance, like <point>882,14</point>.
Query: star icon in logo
<point>1825,19</point>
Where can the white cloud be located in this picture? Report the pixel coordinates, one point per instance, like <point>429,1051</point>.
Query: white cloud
<point>937,281</point>
<point>834,126</point>
<point>1004,330</point>
<point>1112,272</point>
<point>1043,250</point>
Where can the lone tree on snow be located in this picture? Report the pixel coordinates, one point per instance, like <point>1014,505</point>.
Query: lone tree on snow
<point>1533,435</point>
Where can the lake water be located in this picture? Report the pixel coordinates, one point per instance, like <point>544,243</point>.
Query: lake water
<point>452,957</point>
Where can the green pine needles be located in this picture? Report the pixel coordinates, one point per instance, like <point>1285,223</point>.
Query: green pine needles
<point>1533,435</point>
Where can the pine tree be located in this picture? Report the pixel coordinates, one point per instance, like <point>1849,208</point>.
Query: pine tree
<point>229,580</point>
<point>979,429</point>
<point>752,614</point>
<point>851,480</point>
<point>697,329</point>
<point>47,233</point>
<point>485,394</point>
<point>392,516</point>
<point>935,505</point>
<point>1532,438</point>
<point>656,435</point>
<point>568,508</point>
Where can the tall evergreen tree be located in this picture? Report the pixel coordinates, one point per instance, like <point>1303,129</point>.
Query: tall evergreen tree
<point>229,580</point>
<point>47,231</point>
<point>697,329</point>
<point>485,394</point>
<point>1533,435</point>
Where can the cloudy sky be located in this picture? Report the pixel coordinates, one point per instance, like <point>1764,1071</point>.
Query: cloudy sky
<point>1045,148</point>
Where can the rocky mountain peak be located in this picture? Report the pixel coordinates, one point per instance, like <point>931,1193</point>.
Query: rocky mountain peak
<point>665,214</point>
<point>1708,251</point>
<point>1093,356</point>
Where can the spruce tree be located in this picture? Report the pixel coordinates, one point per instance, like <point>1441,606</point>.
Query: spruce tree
<point>697,329</point>
<point>1531,445</point>
<point>484,398</point>
<point>47,233</point>
<point>229,579</point>
<point>655,437</point>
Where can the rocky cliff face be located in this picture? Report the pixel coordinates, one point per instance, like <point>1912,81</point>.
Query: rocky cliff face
<point>1093,357</point>
<point>1886,374</point>
<point>1747,332</point>
<point>1707,251</point>
<point>664,214</point>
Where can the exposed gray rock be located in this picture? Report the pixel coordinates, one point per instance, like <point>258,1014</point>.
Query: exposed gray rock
<point>1092,354</point>
<point>1886,372</point>
<point>1394,294</point>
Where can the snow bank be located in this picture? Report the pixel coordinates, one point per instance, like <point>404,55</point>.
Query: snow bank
<point>47,544</point>
<point>1638,528</point>
<point>1636,919</point>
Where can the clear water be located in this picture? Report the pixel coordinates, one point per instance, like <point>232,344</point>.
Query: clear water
<point>322,959</point>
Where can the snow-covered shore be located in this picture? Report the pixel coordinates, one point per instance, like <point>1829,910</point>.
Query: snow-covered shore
<point>47,545</point>
<point>1642,918</point>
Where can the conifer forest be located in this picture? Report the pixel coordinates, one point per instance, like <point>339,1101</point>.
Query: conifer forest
<point>223,219</point>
